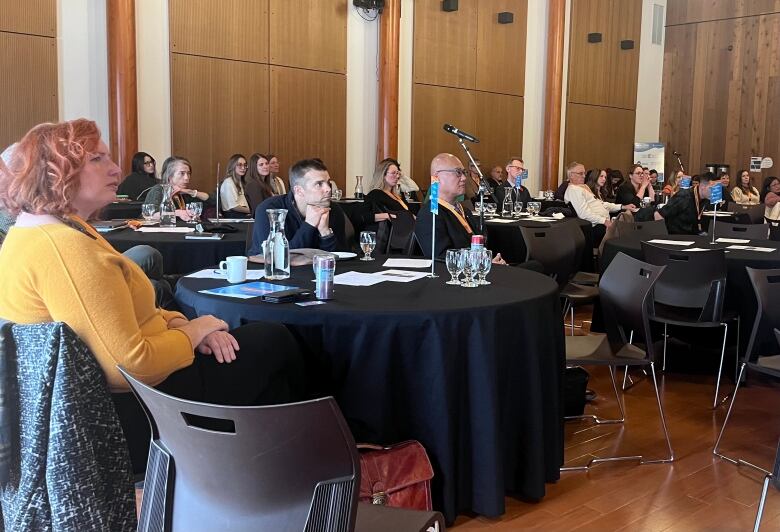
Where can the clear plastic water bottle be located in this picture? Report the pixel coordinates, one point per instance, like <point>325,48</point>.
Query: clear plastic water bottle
<point>506,208</point>
<point>167,208</point>
<point>276,249</point>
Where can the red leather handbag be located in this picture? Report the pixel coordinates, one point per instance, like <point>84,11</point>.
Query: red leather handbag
<point>398,476</point>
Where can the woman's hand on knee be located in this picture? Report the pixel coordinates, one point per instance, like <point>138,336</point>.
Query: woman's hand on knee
<point>221,344</point>
<point>201,327</point>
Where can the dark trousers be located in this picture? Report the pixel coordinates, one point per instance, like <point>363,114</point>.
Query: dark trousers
<point>268,370</point>
<point>598,232</point>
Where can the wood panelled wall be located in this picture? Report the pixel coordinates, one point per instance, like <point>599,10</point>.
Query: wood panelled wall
<point>28,96</point>
<point>264,76</point>
<point>602,88</point>
<point>469,71</point>
<point>721,90</point>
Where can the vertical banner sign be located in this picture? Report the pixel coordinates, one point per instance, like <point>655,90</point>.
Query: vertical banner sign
<point>434,196</point>
<point>716,193</point>
<point>650,154</point>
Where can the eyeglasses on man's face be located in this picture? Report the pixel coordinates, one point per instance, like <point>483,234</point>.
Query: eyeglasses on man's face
<point>460,172</point>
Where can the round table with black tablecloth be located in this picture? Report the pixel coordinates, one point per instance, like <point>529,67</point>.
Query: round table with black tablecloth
<point>739,291</point>
<point>121,210</point>
<point>506,238</point>
<point>473,374</point>
<point>181,255</point>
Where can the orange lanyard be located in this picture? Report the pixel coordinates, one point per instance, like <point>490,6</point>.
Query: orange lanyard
<point>459,216</point>
<point>396,198</point>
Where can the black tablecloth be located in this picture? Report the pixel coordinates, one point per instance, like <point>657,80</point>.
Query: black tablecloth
<point>120,210</point>
<point>740,296</point>
<point>474,374</point>
<point>508,240</point>
<point>181,255</point>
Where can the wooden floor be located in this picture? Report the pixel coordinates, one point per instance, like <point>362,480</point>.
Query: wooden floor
<point>696,492</point>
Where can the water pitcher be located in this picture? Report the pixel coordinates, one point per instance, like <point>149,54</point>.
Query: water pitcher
<point>167,208</point>
<point>276,249</point>
<point>359,187</point>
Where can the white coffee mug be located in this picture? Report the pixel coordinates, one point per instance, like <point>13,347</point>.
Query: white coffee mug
<point>234,268</point>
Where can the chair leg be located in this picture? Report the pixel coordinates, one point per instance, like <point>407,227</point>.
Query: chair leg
<point>627,378</point>
<point>571,309</point>
<point>663,359</point>
<point>715,401</point>
<point>761,501</point>
<point>640,458</point>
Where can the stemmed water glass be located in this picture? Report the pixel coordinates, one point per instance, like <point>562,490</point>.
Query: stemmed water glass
<point>534,207</point>
<point>471,258</point>
<point>454,261</point>
<point>148,211</point>
<point>518,209</point>
<point>485,263</point>
<point>367,244</point>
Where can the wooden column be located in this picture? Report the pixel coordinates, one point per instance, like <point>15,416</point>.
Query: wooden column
<point>123,98</point>
<point>389,52</point>
<point>553,94</point>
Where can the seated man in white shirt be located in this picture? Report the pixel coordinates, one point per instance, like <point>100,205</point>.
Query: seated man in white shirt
<point>587,206</point>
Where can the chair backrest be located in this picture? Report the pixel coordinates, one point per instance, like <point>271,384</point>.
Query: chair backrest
<point>415,248</point>
<point>744,231</point>
<point>766,285</point>
<point>753,212</point>
<point>250,229</point>
<point>643,229</point>
<point>692,279</point>
<point>401,231</point>
<point>282,468</point>
<point>774,229</point>
<point>553,247</point>
<point>624,291</point>
<point>578,238</point>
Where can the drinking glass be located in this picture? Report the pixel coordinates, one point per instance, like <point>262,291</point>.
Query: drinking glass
<point>454,265</point>
<point>367,244</point>
<point>192,211</point>
<point>408,196</point>
<point>148,210</point>
<point>490,209</point>
<point>336,194</point>
<point>534,207</point>
<point>485,263</point>
<point>471,258</point>
<point>518,209</point>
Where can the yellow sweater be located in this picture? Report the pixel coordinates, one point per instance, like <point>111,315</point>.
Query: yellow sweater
<point>53,272</point>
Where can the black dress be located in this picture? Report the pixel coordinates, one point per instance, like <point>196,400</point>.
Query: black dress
<point>381,202</point>
<point>135,184</point>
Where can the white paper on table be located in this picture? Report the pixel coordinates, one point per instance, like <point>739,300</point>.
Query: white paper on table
<point>542,219</point>
<point>500,221</point>
<point>231,220</point>
<point>166,229</point>
<point>758,248</point>
<point>695,249</point>
<point>558,215</point>
<point>672,242</point>
<point>356,279</point>
<point>738,247</point>
<point>251,275</point>
<point>407,263</point>
<point>732,240</point>
<point>399,276</point>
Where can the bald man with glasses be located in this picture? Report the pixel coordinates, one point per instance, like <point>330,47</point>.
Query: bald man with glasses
<point>454,225</point>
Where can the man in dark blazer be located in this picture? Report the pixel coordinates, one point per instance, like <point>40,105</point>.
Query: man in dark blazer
<point>454,226</point>
<point>513,184</point>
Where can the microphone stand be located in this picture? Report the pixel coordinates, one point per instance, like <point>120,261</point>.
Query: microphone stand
<point>483,188</point>
<point>679,161</point>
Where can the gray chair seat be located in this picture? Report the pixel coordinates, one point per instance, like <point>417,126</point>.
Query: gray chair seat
<point>595,349</point>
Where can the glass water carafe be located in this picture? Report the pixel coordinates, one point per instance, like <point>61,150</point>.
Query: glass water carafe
<point>506,208</point>
<point>167,208</point>
<point>359,187</point>
<point>276,249</point>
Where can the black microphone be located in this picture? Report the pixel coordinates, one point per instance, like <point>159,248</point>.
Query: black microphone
<point>449,128</point>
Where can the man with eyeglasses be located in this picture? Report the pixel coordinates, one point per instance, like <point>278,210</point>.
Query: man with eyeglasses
<point>454,226</point>
<point>587,206</point>
<point>513,184</point>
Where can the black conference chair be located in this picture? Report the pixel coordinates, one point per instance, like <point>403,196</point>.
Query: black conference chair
<point>774,229</point>
<point>770,478</point>
<point>766,285</point>
<point>643,229</point>
<point>690,293</point>
<point>401,231</point>
<point>740,231</point>
<point>626,302</point>
<point>583,288</point>
<point>750,213</point>
<point>286,467</point>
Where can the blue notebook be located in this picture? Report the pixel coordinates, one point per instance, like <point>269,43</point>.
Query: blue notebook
<point>247,290</point>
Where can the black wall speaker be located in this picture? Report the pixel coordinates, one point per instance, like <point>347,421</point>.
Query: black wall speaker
<point>506,17</point>
<point>594,37</point>
<point>627,45</point>
<point>449,5</point>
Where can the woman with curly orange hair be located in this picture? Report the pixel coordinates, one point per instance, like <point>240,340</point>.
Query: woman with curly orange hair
<point>56,267</point>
